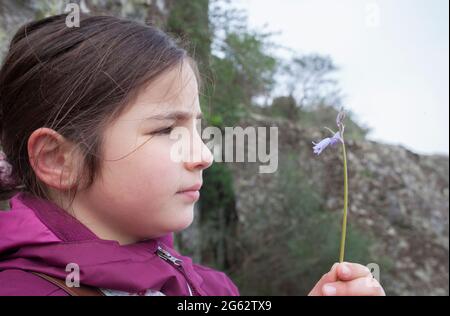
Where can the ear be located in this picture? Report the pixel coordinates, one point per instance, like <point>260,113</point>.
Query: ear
<point>52,158</point>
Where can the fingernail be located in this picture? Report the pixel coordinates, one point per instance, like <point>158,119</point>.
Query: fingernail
<point>345,270</point>
<point>329,290</point>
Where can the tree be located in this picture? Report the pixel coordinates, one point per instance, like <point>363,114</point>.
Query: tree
<point>309,79</point>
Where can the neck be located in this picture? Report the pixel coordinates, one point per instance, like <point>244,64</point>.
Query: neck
<point>101,227</point>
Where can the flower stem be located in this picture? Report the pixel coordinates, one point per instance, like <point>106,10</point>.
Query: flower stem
<point>344,219</point>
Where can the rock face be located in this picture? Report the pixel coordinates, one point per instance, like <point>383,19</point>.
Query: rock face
<point>15,13</point>
<point>12,15</point>
<point>398,197</point>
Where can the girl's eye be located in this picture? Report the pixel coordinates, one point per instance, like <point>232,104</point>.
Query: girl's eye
<point>167,130</point>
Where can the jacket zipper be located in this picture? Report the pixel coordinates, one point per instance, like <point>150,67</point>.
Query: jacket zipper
<point>177,263</point>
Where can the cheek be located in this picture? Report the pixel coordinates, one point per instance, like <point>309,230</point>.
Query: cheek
<point>147,173</point>
<point>139,190</point>
<point>148,187</point>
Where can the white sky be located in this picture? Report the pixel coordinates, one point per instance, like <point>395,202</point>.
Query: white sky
<point>393,55</point>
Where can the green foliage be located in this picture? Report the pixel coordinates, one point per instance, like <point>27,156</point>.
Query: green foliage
<point>310,79</point>
<point>226,104</point>
<point>241,66</point>
<point>190,21</point>
<point>255,67</point>
<point>218,216</point>
<point>236,70</point>
<point>284,106</point>
<point>47,8</point>
<point>240,71</point>
<point>218,186</point>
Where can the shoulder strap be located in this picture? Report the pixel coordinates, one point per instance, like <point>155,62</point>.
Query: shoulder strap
<point>82,290</point>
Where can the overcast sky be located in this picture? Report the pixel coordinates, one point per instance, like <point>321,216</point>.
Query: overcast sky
<point>393,55</point>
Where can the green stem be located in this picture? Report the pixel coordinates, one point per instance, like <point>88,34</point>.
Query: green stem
<point>344,219</point>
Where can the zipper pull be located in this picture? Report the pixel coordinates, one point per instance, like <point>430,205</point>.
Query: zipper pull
<point>165,255</point>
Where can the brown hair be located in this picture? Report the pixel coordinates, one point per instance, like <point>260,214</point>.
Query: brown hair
<point>75,81</point>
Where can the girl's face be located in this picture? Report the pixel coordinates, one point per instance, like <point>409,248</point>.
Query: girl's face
<point>136,196</point>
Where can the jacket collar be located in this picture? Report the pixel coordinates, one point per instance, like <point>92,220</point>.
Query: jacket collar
<point>66,227</point>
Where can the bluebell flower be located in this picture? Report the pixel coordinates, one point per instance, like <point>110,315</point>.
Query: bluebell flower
<point>337,136</point>
<point>318,148</point>
<point>324,143</point>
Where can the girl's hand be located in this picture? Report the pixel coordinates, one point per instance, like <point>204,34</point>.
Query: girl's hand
<point>347,279</point>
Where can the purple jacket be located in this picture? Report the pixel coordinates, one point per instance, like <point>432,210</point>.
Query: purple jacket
<point>37,235</point>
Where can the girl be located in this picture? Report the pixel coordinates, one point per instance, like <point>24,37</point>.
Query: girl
<point>86,121</point>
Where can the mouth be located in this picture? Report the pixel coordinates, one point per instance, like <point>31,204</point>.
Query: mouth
<point>191,193</point>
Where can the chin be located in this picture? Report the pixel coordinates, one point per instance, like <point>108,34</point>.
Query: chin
<point>183,222</point>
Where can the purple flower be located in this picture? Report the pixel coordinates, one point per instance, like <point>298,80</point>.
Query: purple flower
<point>324,143</point>
<point>337,136</point>
<point>318,148</point>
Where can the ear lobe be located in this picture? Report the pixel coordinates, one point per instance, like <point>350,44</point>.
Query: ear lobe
<point>51,159</point>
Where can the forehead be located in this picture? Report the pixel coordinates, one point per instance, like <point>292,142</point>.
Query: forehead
<point>174,90</point>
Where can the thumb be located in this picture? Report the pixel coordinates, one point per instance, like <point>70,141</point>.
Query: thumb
<point>331,276</point>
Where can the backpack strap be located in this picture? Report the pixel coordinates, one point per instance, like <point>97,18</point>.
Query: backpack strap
<point>82,290</point>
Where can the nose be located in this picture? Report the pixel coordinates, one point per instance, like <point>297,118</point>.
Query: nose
<point>201,157</point>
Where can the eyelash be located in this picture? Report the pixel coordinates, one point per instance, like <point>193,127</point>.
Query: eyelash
<point>166,130</point>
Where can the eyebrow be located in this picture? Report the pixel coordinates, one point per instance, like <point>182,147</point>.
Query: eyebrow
<point>176,115</point>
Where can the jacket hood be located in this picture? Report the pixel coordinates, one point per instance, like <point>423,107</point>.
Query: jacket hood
<point>36,235</point>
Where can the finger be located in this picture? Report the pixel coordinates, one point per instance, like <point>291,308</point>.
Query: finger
<point>367,286</point>
<point>347,271</point>
<point>329,277</point>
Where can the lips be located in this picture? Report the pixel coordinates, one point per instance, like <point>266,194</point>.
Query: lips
<point>191,193</point>
<point>194,187</point>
